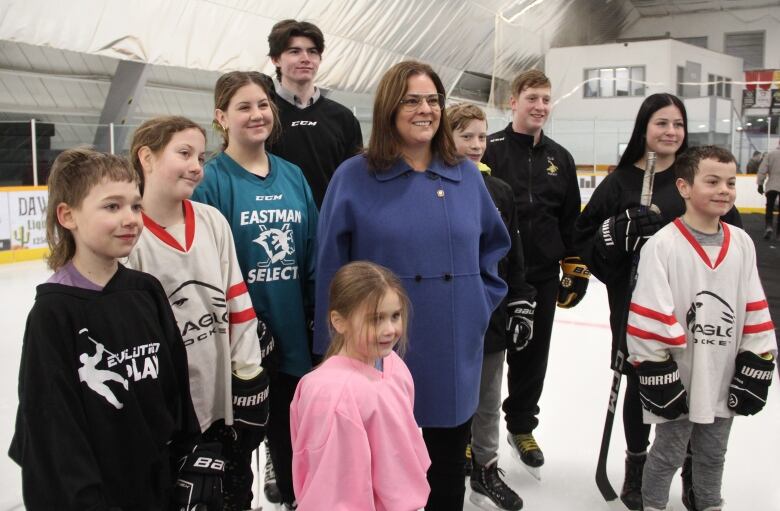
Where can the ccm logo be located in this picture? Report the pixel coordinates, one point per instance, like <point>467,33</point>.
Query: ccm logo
<point>303,123</point>
<point>204,462</point>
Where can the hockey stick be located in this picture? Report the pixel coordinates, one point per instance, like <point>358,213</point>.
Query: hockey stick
<point>602,479</point>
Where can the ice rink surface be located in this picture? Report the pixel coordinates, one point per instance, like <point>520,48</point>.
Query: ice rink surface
<point>573,407</point>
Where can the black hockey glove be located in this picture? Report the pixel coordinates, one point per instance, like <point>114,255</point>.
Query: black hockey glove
<point>520,323</point>
<point>628,231</point>
<point>761,189</point>
<point>199,486</point>
<point>267,345</point>
<point>660,389</point>
<point>574,282</point>
<point>250,400</point>
<point>750,385</point>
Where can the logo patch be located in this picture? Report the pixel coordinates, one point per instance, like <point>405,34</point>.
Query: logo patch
<point>552,168</point>
<point>710,319</point>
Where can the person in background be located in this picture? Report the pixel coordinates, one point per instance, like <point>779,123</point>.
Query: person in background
<point>511,325</point>
<point>768,180</point>
<point>754,162</point>
<point>547,201</point>
<point>612,228</point>
<point>411,204</point>
<point>355,442</point>
<point>272,215</point>
<point>696,276</point>
<point>317,133</point>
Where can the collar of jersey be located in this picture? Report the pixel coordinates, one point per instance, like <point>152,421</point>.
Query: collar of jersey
<point>165,236</point>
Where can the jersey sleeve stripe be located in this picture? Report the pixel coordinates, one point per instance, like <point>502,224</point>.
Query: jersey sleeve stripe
<point>757,306</point>
<point>651,336</point>
<point>666,319</point>
<point>242,316</point>
<point>758,328</point>
<point>236,290</point>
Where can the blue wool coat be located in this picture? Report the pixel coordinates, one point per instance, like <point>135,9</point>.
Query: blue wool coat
<point>440,232</point>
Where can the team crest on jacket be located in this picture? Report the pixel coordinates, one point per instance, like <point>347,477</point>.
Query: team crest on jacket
<point>710,319</point>
<point>277,243</point>
<point>552,168</point>
<point>196,323</point>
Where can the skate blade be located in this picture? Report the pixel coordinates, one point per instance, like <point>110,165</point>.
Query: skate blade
<point>483,502</point>
<point>536,472</point>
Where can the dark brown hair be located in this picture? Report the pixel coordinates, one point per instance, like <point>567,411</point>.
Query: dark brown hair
<point>155,134</point>
<point>73,174</point>
<point>462,114</point>
<point>384,146</point>
<point>283,31</point>
<point>687,164</point>
<point>358,283</point>
<point>225,89</point>
<point>530,78</point>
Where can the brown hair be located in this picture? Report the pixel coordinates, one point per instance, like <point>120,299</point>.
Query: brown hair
<point>358,283</point>
<point>687,164</point>
<point>73,174</point>
<point>226,88</point>
<point>283,31</point>
<point>384,146</point>
<point>530,78</point>
<point>155,134</point>
<point>462,114</point>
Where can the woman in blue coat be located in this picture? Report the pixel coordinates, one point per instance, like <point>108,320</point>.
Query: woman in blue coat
<point>410,204</point>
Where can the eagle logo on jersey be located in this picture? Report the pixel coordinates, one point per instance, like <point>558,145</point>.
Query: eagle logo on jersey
<point>552,168</point>
<point>201,311</point>
<point>706,308</point>
<point>277,243</point>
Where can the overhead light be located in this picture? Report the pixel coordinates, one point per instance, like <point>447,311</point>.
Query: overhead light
<point>726,120</point>
<point>749,124</point>
<point>760,119</point>
<point>702,125</point>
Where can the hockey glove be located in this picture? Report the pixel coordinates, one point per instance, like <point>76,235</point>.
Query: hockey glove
<point>574,282</point>
<point>520,323</point>
<point>750,385</point>
<point>250,400</point>
<point>628,231</point>
<point>761,189</point>
<point>660,389</point>
<point>199,486</point>
<point>267,345</point>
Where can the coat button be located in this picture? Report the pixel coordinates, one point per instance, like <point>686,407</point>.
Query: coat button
<point>417,278</point>
<point>447,276</point>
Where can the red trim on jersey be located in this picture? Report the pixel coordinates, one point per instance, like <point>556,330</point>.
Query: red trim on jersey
<point>236,290</point>
<point>242,316</point>
<point>698,248</point>
<point>760,327</point>
<point>756,306</point>
<point>666,319</point>
<point>651,336</point>
<point>165,236</point>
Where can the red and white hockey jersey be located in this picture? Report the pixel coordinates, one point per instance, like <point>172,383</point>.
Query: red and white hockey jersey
<point>197,266</point>
<point>702,306</point>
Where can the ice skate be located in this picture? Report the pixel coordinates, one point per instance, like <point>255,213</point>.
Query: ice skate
<point>270,490</point>
<point>469,460</point>
<point>489,491</point>
<point>631,494</point>
<point>525,449</point>
<point>768,233</point>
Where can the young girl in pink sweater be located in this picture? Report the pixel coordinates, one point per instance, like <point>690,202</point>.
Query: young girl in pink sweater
<point>355,442</point>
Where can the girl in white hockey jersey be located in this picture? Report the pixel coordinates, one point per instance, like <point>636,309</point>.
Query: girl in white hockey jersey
<point>188,246</point>
<point>699,332</point>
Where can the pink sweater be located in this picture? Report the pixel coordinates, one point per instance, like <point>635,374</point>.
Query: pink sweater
<point>356,446</point>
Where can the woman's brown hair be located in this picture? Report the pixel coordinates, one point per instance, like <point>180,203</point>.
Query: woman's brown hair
<point>155,134</point>
<point>384,146</point>
<point>358,283</point>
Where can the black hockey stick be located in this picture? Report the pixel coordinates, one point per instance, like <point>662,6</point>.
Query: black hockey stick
<point>602,479</point>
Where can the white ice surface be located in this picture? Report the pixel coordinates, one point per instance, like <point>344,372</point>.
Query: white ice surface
<point>573,406</point>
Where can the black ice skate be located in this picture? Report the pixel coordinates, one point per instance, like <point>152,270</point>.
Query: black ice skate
<point>489,491</point>
<point>469,462</point>
<point>631,494</point>
<point>270,489</point>
<point>525,448</point>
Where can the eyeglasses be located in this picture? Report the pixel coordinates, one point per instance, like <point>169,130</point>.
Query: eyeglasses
<point>414,101</point>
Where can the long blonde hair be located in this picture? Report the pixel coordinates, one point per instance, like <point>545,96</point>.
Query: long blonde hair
<point>358,283</point>
<point>73,174</point>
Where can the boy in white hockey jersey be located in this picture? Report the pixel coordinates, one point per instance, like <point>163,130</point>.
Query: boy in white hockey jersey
<point>699,332</point>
